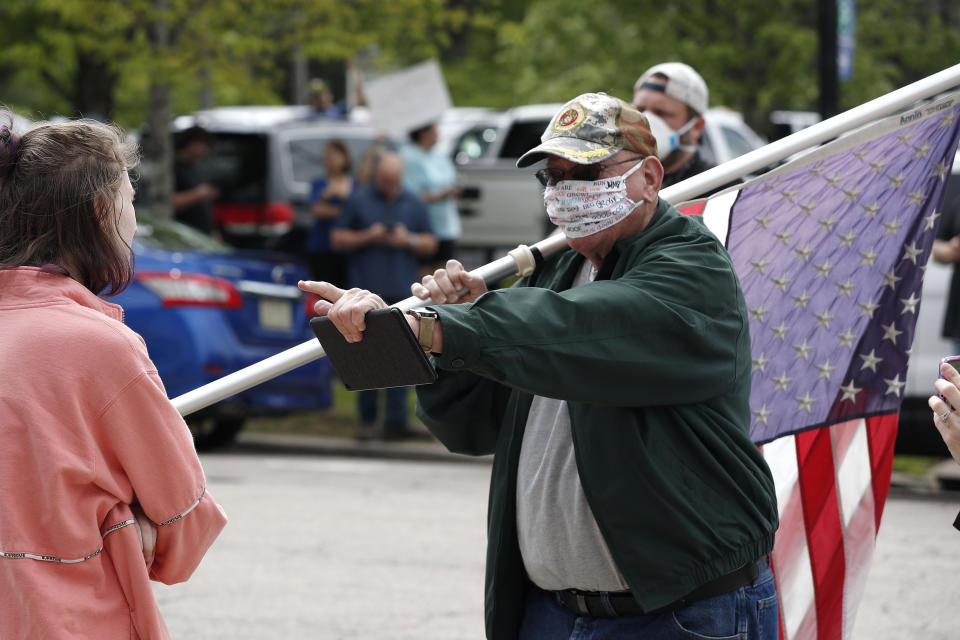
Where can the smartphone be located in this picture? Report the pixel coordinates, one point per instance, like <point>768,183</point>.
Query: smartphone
<point>953,361</point>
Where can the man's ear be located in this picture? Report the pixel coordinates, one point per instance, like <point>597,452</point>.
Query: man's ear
<point>652,174</point>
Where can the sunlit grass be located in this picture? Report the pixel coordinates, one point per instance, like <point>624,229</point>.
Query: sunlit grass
<point>917,466</point>
<point>339,420</point>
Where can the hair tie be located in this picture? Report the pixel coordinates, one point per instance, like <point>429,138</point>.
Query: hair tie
<point>9,156</point>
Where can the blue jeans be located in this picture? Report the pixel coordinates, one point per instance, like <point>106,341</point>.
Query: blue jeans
<point>747,613</point>
<point>396,407</point>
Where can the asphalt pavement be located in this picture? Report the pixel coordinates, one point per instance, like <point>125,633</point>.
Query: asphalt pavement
<point>330,538</point>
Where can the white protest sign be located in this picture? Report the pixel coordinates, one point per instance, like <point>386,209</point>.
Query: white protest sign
<point>408,99</point>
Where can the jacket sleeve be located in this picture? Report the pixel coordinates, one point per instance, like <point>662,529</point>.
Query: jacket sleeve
<point>148,442</point>
<point>464,411</point>
<point>670,330</point>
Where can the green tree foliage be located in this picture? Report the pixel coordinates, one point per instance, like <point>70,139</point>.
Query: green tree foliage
<point>99,56</point>
<point>756,55</point>
<point>87,56</point>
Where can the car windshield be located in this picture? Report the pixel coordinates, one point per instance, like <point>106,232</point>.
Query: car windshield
<point>522,137</point>
<point>237,165</point>
<point>158,233</point>
<point>306,153</point>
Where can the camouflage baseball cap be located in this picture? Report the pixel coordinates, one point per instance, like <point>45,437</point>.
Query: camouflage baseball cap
<point>591,128</point>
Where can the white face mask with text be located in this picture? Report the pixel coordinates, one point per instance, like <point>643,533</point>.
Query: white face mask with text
<point>582,208</point>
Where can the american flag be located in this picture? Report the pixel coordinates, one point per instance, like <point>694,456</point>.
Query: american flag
<point>831,250</point>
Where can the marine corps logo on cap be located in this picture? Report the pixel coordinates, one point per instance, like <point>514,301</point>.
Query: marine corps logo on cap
<point>571,118</point>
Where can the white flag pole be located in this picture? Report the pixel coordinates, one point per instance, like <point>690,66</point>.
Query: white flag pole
<point>308,351</point>
<point>690,188</point>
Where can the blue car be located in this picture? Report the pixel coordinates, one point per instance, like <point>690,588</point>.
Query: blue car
<point>206,310</point>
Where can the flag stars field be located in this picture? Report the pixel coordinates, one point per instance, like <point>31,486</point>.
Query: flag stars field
<point>868,258</point>
<point>780,282</point>
<point>909,304</point>
<point>851,257</point>
<point>847,338</point>
<point>867,308</point>
<point>846,288</point>
<point>894,385</point>
<point>890,332</point>
<point>849,391</point>
<point>940,170</point>
<point>847,239</point>
<point>856,242</point>
<point>870,360</point>
<point>912,252</point>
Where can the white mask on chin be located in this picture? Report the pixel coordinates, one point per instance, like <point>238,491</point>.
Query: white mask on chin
<point>582,208</point>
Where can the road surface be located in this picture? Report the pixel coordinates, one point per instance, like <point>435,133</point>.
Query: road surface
<point>322,547</point>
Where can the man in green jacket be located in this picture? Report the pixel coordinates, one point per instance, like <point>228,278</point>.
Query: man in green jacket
<point>612,385</point>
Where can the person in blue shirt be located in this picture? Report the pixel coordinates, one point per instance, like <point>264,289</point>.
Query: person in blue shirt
<point>384,230</point>
<point>328,194</point>
<point>432,176</point>
<point>321,100</point>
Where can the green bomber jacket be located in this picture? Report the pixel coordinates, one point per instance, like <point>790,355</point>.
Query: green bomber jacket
<point>653,359</point>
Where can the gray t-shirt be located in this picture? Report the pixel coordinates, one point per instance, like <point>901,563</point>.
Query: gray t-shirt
<point>560,541</point>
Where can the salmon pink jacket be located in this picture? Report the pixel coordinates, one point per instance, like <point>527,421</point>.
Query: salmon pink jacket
<point>86,430</point>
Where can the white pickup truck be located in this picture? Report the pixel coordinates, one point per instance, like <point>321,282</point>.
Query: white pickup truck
<point>501,206</point>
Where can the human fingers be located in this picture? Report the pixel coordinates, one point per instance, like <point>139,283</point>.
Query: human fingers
<point>947,391</point>
<point>342,316</point>
<point>444,288</point>
<point>149,542</point>
<point>949,372</point>
<point>327,292</point>
<point>349,313</point>
<point>400,236</point>
<point>419,290</point>
<point>945,420</point>
<point>323,289</point>
<point>147,532</point>
<point>475,285</point>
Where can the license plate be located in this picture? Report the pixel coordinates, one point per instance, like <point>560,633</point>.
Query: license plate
<point>276,315</point>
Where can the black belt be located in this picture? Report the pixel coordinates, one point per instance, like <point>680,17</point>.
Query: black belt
<point>591,603</point>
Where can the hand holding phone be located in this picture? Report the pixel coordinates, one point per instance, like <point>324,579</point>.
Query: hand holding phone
<point>953,361</point>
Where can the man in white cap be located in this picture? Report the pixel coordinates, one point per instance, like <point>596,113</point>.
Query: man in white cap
<point>676,95</point>
<point>612,386</point>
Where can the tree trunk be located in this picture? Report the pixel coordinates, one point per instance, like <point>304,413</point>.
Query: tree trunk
<point>94,82</point>
<point>298,76</point>
<point>205,99</point>
<point>158,147</point>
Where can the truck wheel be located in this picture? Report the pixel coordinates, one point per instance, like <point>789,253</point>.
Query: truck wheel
<point>210,432</point>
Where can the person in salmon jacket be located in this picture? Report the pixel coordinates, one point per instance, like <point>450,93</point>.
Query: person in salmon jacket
<point>101,489</point>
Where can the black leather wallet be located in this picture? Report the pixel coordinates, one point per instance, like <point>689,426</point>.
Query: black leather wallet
<point>388,356</point>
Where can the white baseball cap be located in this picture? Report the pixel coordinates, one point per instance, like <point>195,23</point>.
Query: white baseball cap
<point>683,83</point>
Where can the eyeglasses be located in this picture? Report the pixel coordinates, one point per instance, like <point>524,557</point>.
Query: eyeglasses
<point>550,176</point>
